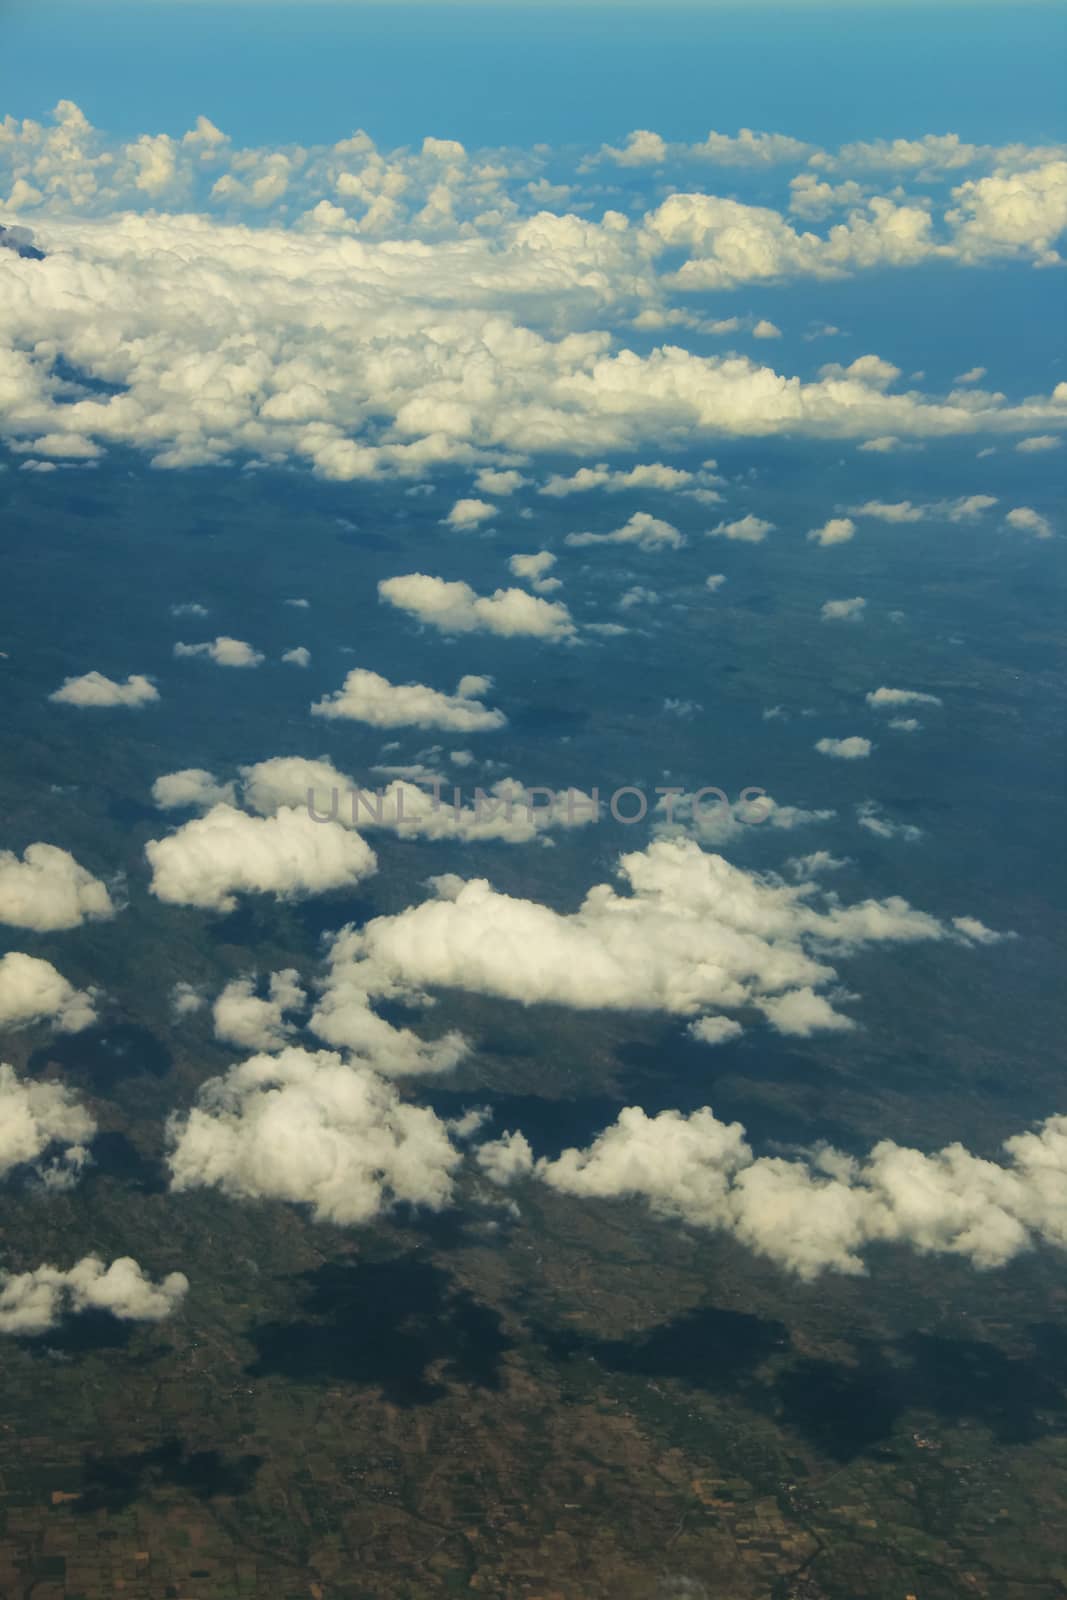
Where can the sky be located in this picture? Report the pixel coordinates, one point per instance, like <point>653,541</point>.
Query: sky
<point>516,74</point>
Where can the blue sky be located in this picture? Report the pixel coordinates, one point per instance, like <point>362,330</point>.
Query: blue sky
<point>508,73</point>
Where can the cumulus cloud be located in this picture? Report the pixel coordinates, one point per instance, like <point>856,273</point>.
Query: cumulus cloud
<point>1039,443</point>
<point>870,816</point>
<point>880,698</point>
<point>31,990</point>
<point>250,1022</point>
<point>533,569</point>
<point>185,1000</point>
<point>748,529</point>
<point>192,787</point>
<point>224,651</point>
<point>39,1119</point>
<point>506,811</point>
<point>714,819</point>
<point>368,697</point>
<point>313,350</point>
<point>456,608</point>
<point>309,1128</point>
<point>493,480</point>
<point>32,1303</point>
<point>647,532</point>
<point>837,531</point>
<point>1026,520</point>
<point>715,582</point>
<point>820,1211</point>
<point>48,890</point>
<point>646,475</point>
<point>94,689</point>
<point>298,656</point>
<point>210,861</point>
<point>844,610</point>
<point>851,749</point>
<point>693,936</point>
<point>469,514</point>
<point>964,508</point>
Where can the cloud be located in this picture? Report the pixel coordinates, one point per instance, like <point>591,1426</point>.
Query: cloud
<point>492,480</point>
<point>532,569</point>
<point>192,786</point>
<point>48,890</point>
<point>1026,520</point>
<point>647,532</point>
<point>224,651</point>
<point>93,689</point>
<point>837,531</point>
<point>368,697</point>
<point>964,508</point>
<point>972,375</point>
<point>469,514</point>
<point>299,656</point>
<point>647,475</point>
<point>693,936</point>
<point>715,582</point>
<point>31,990</point>
<point>185,1000</point>
<point>710,817</point>
<point>851,749</point>
<point>457,608</point>
<point>32,1303</point>
<point>878,698</point>
<point>766,330</point>
<point>210,861</point>
<point>749,529</point>
<point>1039,443</point>
<point>243,1019</point>
<point>506,811</point>
<point>869,815</point>
<point>821,1211</point>
<point>37,1118</point>
<point>308,1128</point>
<point>844,610</point>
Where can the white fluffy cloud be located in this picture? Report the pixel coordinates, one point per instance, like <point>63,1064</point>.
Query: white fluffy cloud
<point>31,990</point>
<point>245,1019</point>
<point>37,1118</point>
<point>1026,520</point>
<point>694,936</point>
<point>48,890</point>
<point>748,529</point>
<point>837,531</point>
<point>298,656</point>
<point>210,861</point>
<point>880,698</point>
<point>283,344</point>
<point>309,1128</point>
<point>192,787</point>
<point>851,749</point>
<point>456,608</point>
<point>533,569</point>
<point>470,514</point>
<point>368,697</point>
<point>965,508</point>
<point>818,1212</point>
<point>844,610</point>
<point>224,651</point>
<point>34,1302</point>
<point>506,811</point>
<point>642,529</point>
<point>94,689</point>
